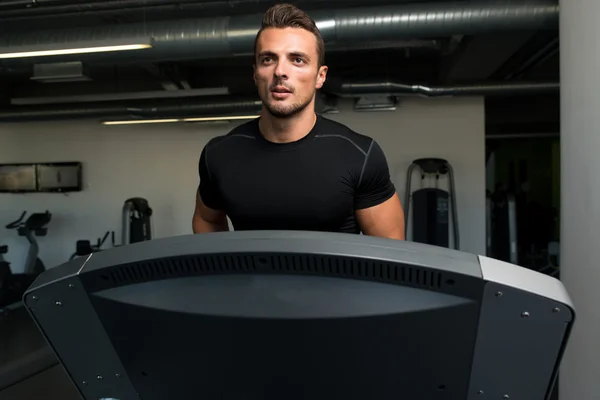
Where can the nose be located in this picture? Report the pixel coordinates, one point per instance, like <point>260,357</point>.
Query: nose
<point>280,71</point>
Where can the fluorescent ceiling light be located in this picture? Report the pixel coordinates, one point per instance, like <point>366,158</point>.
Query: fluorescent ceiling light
<point>171,120</point>
<point>202,119</point>
<point>141,121</point>
<point>96,46</point>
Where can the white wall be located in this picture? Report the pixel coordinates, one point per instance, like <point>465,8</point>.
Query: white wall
<point>159,162</point>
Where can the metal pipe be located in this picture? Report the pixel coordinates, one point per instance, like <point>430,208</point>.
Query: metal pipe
<point>20,7</point>
<point>400,89</point>
<point>202,106</point>
<point>29,4</point>
<point>228,36</point>
<point>16,4</point>
<point>217,105</point>
<point>150,94</point>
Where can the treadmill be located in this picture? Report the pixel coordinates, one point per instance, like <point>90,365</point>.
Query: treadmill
<point>274,315</point>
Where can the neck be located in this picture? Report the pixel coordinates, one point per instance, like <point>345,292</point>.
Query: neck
<point>284,130</point>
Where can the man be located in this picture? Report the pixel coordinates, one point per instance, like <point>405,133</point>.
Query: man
<point>291,169</point>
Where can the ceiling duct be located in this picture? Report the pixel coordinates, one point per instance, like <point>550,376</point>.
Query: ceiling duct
<point>354,89</point>
<point>28,8</point>
<point>228,36</point>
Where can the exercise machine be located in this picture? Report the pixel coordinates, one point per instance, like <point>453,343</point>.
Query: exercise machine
<point>5,271</point>
<point>503,233</point>
<point>488,224</point>
<point>13,285</point>
<point>432,205</point>
<point>35,225</point>
<point>301,315</point>
<point>137,227</point>
<point>552,266</point>
<point>137,221</point>
<point>85,247</point>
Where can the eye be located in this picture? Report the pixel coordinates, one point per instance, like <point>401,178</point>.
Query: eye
<point>298,60</point>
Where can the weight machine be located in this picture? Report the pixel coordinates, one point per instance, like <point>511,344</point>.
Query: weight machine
<point>431,214</point>
<point>501,213</point>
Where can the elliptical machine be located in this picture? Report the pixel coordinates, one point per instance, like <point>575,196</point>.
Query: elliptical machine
<point>12,286</point>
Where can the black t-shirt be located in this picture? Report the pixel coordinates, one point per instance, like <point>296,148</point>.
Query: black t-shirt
<point>313,184</point>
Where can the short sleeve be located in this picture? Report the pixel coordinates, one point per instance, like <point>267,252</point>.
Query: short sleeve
<point>375,185</point>
<point>209,192</point>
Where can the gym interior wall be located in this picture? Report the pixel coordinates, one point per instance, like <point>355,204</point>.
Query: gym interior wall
<point>159,163</point>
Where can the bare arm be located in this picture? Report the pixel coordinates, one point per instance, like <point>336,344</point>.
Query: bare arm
<point>206,219</point>
<point>383,220</point>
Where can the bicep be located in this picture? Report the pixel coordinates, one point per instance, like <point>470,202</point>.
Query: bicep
<point>207,219</point>
<point>207,213</point>
<point>384,220</point>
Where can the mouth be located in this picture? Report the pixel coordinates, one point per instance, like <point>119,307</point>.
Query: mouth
<point>280,89</point>
<point>280,93</point>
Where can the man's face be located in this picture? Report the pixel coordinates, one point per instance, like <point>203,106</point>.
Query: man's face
<point>287,71</point>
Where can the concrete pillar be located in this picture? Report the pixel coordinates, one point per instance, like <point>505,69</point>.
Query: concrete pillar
<point>580,193</point>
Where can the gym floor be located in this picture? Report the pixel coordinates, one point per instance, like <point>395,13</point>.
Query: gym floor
<point>29,369</point>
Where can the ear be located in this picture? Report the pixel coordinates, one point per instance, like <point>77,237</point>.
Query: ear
<point>254,74</point>
<point>321,76</point>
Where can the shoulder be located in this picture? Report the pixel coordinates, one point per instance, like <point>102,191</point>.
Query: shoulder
<point>220,149</point>
<point>333,130</point>
<point>368,153</point>
<point>231,140</point>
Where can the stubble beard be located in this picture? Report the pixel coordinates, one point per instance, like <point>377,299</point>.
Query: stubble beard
<point>281,110</point>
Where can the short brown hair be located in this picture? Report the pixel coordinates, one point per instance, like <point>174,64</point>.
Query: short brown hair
<point>289,16</point>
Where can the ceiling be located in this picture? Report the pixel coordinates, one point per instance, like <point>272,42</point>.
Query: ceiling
<point>505,50</point>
